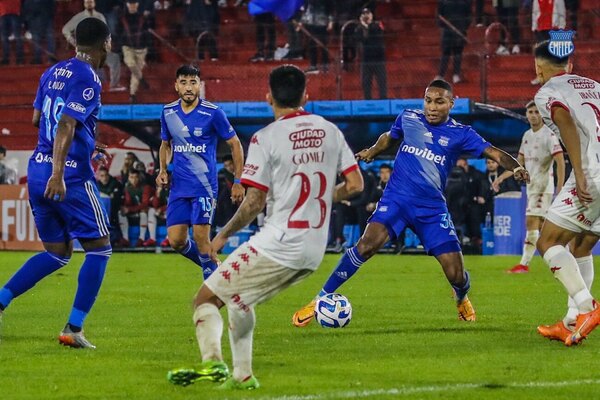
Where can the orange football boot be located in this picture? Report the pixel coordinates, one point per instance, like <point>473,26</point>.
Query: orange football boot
<point>557,331</point>
<point>305,315</point>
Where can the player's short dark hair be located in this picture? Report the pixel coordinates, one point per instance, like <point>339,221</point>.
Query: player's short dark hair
<point>530,104</point>
<point>91,32</point>
<point>386,166</point>
<point>287,83</point>
<point>440,83</point>
<point>102,168</point>
<point>542,51</point>
<point>133,171</point>
<point>187,70</point>
<point>3,150</point>
<point>227,157</point>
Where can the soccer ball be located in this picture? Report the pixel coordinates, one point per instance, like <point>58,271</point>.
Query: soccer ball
<point>333,311</point>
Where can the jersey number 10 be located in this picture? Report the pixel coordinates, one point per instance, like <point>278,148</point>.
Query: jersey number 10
<point>305,189</point>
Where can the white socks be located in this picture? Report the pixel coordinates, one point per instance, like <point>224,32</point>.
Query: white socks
<point>586,269</point>
<point>152,223</point>
<point>143,225</point>
<point>241,329</point>
<point>564,267</point>
<point>529,246</point>
<point>209,329</point>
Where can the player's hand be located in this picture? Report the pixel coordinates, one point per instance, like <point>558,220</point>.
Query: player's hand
<point>582,189</point>
<point>216,245</point>
<point>522,175</point>
<point>100,155</point>
<point>237,193</point>
<point>364,155</point>
<point>162,179</point>
<point>496,185</point>
<point>55,189</point>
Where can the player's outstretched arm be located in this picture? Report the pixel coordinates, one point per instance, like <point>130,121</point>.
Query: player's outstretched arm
<point>164,156</point>
<point>353,184</point>
<point>55,188</point>
<point>506,174</point>
<point>237,153</point>
<point>35,120</point>
<point>384,141</point>
<point>507,162</point>
<point>253,203</point>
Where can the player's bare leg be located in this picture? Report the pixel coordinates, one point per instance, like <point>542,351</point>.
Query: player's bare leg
<point>564,266</point>
<point>534,224</point>
<point>453,266</point>
<point>375,236</point>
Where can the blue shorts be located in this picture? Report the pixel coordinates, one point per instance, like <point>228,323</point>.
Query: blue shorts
<point>431,222</point>
<point>190,210</point>
<point>79,216</point>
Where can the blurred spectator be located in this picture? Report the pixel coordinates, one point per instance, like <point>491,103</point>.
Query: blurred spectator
<point>458,13</point>
<point>508,15</point>
<point>476,192</point>
<point>10,21</point>
<point>135,38</point>
<point>265,37</point>
<point>572,9</point>
<point>111,189</point>
<point>39,15</point>
<point>294,44</point>
<point>479,13</point>
<point>113,61</point>
<point>157,216</point>
<point>370,34</point>
<point>318,21</point>
<point>457,198</point>
<point>134,210</point>
<point>385,171</point>
<point>225,207</point>
<point>8,176</point>
<point>130,159</point>
<point>547,15</point>
<point>493,171</point>
<point>348,10</point>
<point>111,9</point>
<point>203,16</point>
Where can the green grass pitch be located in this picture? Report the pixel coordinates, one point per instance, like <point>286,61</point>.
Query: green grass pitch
<point>404,340</point>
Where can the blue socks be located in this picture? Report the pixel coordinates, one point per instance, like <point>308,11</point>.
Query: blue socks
<point>208,265</point>
<point>89,281</point>
<point>190,251</point>
<point>461,292</point>
<point>347,266</point>
<point>34,270</point>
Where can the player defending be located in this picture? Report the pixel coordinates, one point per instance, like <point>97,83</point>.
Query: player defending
<point>414,195</point>
<point>292,167</point>
<point>62,190</point>
<point>190,129</point>
<point>570,106</point>
<point>539,147</point>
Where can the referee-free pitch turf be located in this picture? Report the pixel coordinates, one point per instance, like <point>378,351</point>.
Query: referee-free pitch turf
<point>404,341</point>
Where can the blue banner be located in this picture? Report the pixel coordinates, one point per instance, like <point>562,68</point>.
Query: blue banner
<point>370,107</point>
<point>509,222</point>
<point>284,9</point>
<point>332,108</point>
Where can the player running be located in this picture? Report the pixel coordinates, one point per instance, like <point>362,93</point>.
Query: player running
<point>570,106</point>
<point>62,189</point>
<point>292,167</point>
<point>414,195</point>
<point>539,147</point>
<point>190,129</point>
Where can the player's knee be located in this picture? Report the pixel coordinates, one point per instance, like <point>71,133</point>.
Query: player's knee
<point>178,243</point>
<point>366,248</point>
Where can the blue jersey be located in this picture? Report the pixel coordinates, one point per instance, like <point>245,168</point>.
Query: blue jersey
<point>427,154</point>
<point>194,138</point>
<point>70,87</point>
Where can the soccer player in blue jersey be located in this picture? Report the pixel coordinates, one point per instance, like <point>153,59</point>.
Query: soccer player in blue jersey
<point>62,189</point>
<point>190,130</point>
<point>414,195</point>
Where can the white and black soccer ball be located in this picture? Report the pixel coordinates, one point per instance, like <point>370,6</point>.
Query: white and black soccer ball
<point>333,311</point>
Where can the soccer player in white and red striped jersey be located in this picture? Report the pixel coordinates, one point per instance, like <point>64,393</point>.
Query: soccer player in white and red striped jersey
<point>291,168</point>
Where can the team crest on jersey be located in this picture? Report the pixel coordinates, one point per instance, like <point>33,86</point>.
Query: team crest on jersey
<point>88,94</point>
<point>197,131</point>
<point>443,141</point>
<point>561,43</point>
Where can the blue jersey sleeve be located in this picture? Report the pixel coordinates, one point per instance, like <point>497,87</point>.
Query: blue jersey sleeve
<point>165,135</point>
<point>82,99</point>
<point>222,125</point>
<point>473,144</point>
<point>396,131</point>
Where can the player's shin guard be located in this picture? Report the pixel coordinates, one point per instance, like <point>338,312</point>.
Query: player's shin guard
<point>241,330</point>
<point>209,329</point>
<point>90,279</point>
<point>529,246</point>
<point>347,266</point>
<point>208,265</point>
<point>190,251</point>
<point>34,270</point>
<point>460,291</point>
<point>564,267</point>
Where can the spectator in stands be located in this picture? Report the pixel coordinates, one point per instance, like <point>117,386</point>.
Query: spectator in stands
<point>39,16</point>
<point>265,37</point>
<point>385,171</point>
<point>370,34</point>
<point>134,210</point>
<point>225,207</point>
<point>8,176</point>
<point>130,159</point>
<point>572,9</point>
<point>111,189</point>
<point>476,191</point>
<point>111,9</point>
<point>294,44</point>
<point>113,61</point>
<point>348,10</point>
<point>458,14</point>
<point>10,21</point>
<point>157,216</point>
<point>203,16</point>
<point>135,38</point>
<point>318,21</point>
<point>493,171</point>
<point>547,15</point>
<point>508,15</point>
<point>479,13</point>
<point>457,199</point>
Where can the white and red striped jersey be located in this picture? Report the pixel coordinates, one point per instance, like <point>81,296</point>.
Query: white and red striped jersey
<point>548,14</point>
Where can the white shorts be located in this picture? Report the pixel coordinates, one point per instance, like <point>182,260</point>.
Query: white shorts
<point>247,278</point>
<point>538,204</point>
<point>567,212</point>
